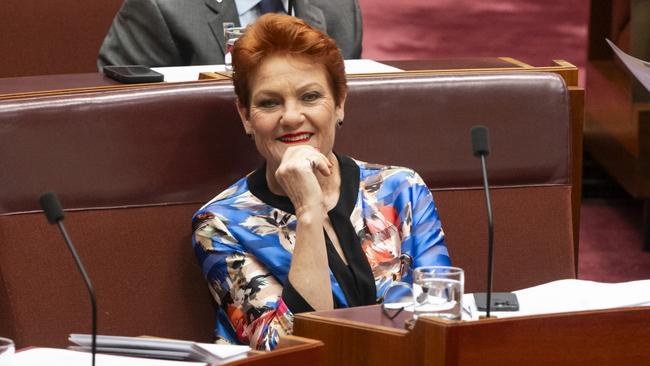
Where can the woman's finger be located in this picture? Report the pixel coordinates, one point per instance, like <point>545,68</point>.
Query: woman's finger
<point>320,163</point>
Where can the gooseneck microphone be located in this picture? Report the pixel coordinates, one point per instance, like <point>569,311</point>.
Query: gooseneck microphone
<point>481,148</point>
<point>52,208</point>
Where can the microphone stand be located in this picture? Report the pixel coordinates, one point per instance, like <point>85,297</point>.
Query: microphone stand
<point>91,289</point>
<point>54,213</point>
<point>488,294</point>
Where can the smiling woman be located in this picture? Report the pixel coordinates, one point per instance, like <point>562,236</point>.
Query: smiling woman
<point>310,229</point>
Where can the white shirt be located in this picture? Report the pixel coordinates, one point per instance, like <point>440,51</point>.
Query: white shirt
<point>249,11</point>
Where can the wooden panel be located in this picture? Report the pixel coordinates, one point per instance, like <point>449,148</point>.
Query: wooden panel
<point>577,96</point>
<point>608,337</point>
<point>291,351</point>
<point>52,37</point>
<point>356,343</point>
<point>594,338</point>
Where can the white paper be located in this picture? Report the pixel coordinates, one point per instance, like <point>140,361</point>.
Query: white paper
<point>224,351</point>
<point>572,295</point>
<point>162,348</point>
<point>132,342</point>
<point>639,68</point>
<point>63,357</point>
<point>365,66</point>
<point>191,73</point>
<point>186,73</point>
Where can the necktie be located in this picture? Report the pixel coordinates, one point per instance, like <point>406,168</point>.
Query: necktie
<point>271,6</point>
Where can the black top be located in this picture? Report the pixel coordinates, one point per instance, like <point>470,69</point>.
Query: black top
<point>356,279</point>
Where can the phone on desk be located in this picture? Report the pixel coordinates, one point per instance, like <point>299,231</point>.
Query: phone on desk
<point>501,301</point>
<point>133,74</point>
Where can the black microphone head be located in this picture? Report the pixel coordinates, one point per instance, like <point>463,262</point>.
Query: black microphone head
<point>480,140</point>
<point>50,204</point>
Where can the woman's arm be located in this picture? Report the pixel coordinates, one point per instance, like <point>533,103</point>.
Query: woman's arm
<point>297,177</point>
<point>425,241</point>
<point>251,309</point>
<point>309,273</point>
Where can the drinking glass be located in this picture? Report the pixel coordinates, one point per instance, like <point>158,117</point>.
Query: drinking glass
<point>7,350</point>
<point>437,291</point>
<point>231,35</point>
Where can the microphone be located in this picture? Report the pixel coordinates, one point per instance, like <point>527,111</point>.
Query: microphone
<point>504,301</point>
<point>290,7</point>
<point>481,148</point>
<point>52,208</point>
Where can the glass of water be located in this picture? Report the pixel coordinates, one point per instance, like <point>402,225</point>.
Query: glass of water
<point>437,291</point>
<point>7,350</point>
<point>232,34</point>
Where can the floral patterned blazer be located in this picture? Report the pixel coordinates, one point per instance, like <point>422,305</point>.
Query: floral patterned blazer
<point>245,236</point>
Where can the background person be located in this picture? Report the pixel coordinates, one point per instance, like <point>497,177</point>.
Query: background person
<point>190,32</point>
<point>310,229</point>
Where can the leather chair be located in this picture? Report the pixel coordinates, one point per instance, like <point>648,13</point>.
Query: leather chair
<point>132,165</point>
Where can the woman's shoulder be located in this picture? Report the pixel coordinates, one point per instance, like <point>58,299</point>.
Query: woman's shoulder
<point>237,196</point>
<point>374,171</point>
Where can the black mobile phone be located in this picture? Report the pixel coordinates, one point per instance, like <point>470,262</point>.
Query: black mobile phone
<point>132,74</point>
<point>501,301</point>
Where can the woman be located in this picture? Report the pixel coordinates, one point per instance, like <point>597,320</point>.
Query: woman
<point>309,230</point>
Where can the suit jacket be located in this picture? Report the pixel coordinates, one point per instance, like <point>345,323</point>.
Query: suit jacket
<point>190,32</point>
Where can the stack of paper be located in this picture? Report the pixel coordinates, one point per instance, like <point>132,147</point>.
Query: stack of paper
<point>63,357</point>
<point>569,295</point>
<point>161,348</point>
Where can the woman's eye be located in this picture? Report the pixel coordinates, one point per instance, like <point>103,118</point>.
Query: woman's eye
<point>310,97</point>
<point>267,103</point>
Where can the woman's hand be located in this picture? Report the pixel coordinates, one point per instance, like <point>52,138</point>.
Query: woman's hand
<point>298,175</point>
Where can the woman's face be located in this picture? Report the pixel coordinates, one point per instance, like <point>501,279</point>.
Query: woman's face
<point>291,104</point>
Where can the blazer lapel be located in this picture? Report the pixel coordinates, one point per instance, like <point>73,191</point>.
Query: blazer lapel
<point>224,11</point>
<point>311,14</point>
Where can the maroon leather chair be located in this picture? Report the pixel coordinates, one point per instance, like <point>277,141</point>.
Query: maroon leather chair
<point>131,166</point>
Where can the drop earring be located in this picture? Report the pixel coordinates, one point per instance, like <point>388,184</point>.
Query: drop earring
<point>339,123</point>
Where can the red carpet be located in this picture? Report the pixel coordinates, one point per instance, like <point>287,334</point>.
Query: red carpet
<point>535,32</point>
<point>611,241</point>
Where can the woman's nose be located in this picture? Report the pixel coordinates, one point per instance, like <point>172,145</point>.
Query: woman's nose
<point>293,114</point>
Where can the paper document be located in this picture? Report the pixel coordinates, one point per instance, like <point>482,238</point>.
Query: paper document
<point>64,357</point>
<point>162,348</point>
<point>191,73</point>
<point>175,74</point>
<point>571,295</point>
<point>639,68</point>
<point>368,67</point>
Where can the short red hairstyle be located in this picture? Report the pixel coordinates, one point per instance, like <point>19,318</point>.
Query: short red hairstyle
<point>274,34</point>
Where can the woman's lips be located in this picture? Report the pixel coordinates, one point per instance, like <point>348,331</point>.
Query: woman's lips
<point>295,138</point>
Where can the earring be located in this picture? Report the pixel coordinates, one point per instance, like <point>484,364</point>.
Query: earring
<point>339,123</point>
<point>250,136</point>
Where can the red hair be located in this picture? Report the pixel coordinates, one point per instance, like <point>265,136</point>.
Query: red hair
<point>274,34</point>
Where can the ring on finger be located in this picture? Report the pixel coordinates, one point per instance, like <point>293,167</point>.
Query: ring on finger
<point>312,163</point>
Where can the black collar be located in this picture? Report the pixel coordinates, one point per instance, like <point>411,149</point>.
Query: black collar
<point>356,279</point>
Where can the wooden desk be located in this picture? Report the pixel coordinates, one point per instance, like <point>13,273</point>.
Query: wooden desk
<point>362,336</point>
<point>17,87</point>
<point>291,351</point>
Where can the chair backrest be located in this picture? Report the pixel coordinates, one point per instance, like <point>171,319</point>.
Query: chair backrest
<point>131,166</point>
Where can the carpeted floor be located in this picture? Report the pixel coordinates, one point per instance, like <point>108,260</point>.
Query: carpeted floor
<point>611,241</point>
<point>532,31</point>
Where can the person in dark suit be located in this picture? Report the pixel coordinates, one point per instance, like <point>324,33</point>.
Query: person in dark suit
<point>190,32</point>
